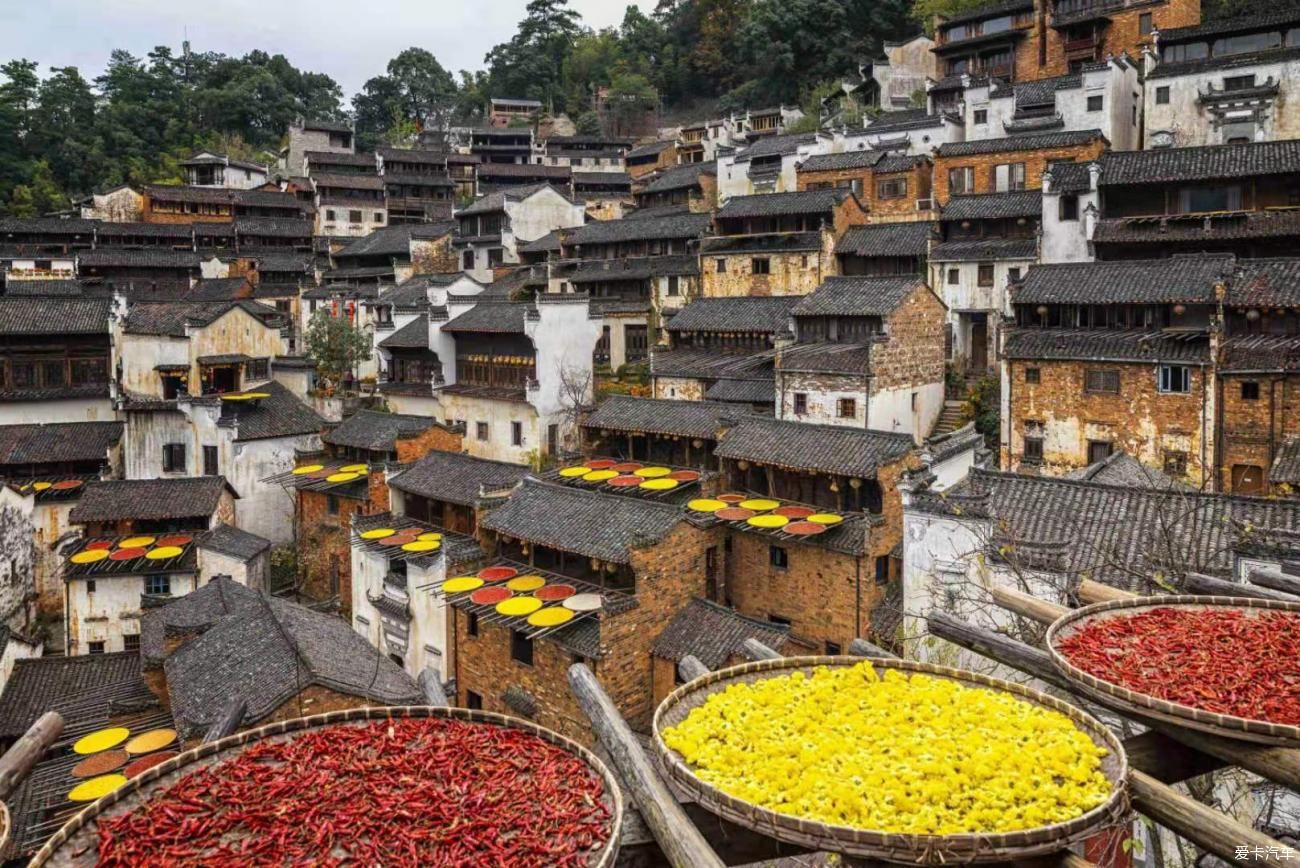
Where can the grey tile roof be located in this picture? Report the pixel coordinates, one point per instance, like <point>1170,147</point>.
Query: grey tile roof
<point>1043,91</point>
<point>989,10</point>
<point>413,335</point>
<point>299,263</point>
<point>415,179</point>
<point>697,419</point>
<point>633,268</point>
<point>742,391</point>
<point>171,317</point>
<point>546,244</point>
<point>235,543</point>
<point>219,289</point>
<point>109,257</point>
<point>1266,283</point>
<point>1228,61</point>
<point>1285,13</point>
<point>350,181</point>
<point>644,229</point>
<point>603,526</point>
<point>494,202</point>
<point>713,634</point>
<point>456,478</point>
<point>1028,142</point>
<point>680,177</point>
<point>1119,535</point>
<point>47,226</point>
<point>1260,353</point>
<point>864,159</point>
<point>149,499</point>
<point>649,150</point>
<point>492,315</point>
<point>273,227</point>
<point>602,179</point>
<point>282,414</point>
<point>858,296</point>
<point>769,146</point>
<point>413,294</point>
<point>1105,345</point>
<point>811,202</point>
<point>1286,466</point>
<point>1188,279</point>
<point>389,241</point>
<point>769,314</point>
<point>58,441</point>
<point>904,120</point>
<point>887,239</point>
<point>1197,228</point>
<point>993,248</point>
<point>1070,178</point>
<point>327,126</point>
<point>825,358</point>
<point>76,687</point>
<point>711,365</point>
<point>852,452</point>
<point>900,163</point>
<point>377,432</point>
<point>412,155</point>
<point>43,288</point>
<point>266,651</point>
<point>1120,468</point>
<point>156,230</point>
<point>776,242</point>
<point>1167,165</point>
<point>992,206</point>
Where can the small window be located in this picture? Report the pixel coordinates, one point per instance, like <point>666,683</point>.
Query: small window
<point>1013,274</point>
<point>1175,379</point>
<point>1144,24</point>
<point>891,188</point>
<point>131,642</point>
<point>258,369</point>
<point>329,214</point>
<point>986,274</point>
<point>800,403</point>
<point>160,585</point>
<point>481,430</point>
<point>379,216</point>
<point>174,458</point>
<point>1176,463</point>
<point>1008,176</point>
<point>848,408</point>
<point>90,586</point>
<point>521,648</point>
<point>780,619</point>
<point>1101,381</point>
<point>882,569</point>
<point>722,265</point>
<point>981,116</point>
<point>1134,111</point>
<point>1069,208</point>
<point>1250,391</point>
<point>96,647</point>
<point>1095,103</point>
<point>674,285</point>
<point>467,260</point>
<point>1238,82</point>
<point>961,180</point>
<point>473,701</point>
<point>954,276</point>
<point>1098,450</point>
<point>833,649</point>
<point>516,433</point>
<point>210,461</point>
<point>778,557</point>
<point>761,265</point>
<point>471,624</point>
<point>331,504</point>
<point>354,216</point>
<point>1033,376</point>
<point>1162,95</point>
<point>1033,450</point>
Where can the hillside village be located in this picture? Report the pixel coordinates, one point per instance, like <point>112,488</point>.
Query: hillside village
<point>276,436</point>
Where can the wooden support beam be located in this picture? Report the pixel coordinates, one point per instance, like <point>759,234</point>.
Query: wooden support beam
<point>756,650</point>
<point>1095,592</point>
<point>1196,583</point>
<point>17,762</point>
<point>681,842</point>
<point>1190,820</point>
<point>1166,760</point>
<point>690,668</point>
<point>1277,580</point>
<point>431,687</point>
<point>1043,611</point>
<point>995,646</point>
<point>863,648</point>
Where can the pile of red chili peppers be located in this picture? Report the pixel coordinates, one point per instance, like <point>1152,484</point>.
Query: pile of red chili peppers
<point>1220,660</point>
<point>396,793</point>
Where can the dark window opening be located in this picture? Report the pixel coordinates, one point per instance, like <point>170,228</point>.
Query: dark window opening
<point>1033,376</point>
<point>96,647</point>
<point>131,642</point>
<point>848,408</point>
<point>473,701</point>
<point>210,461</point>
<point>800,403</point>
<point>1250,391</point>
<point>1095,103</point>
<point>985,274</point>
<point>174,458</point>
<point>1069,208</point>
<point>471,624</point>
<point>981,116</point>
<point>833,649</point>
<point>882,569</point>
<point>521,648</point>
<point>761,265</point>
<point>516,434</point>
<point>1101,381</point>
<point>1098,450</point>
<point>1162,95</point>
<point>778,557</point>
<point>1176,463</point>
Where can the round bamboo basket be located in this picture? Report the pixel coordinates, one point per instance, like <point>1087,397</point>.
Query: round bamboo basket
<point>1145,705</point>
<point>76,844</point>
<point>890,846</point>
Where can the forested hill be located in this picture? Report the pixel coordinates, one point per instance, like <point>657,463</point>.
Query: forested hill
<point>62,134</point>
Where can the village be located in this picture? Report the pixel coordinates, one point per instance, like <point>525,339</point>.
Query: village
<point>1012,328</point>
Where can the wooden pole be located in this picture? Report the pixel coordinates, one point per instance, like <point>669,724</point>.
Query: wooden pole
<point>681,843</point>
<point>863,648</point>
<point>1095,592</point>
<point>1192,821</point>
<point>17,762</point>
<point>995,646</point>
<point>756,650</point>
<point>228,722</point>
<point>1196,583</point>
<point>1028,605</point>
<point>432,688</point>
<point>690,668</point>
<point>1278,581</point>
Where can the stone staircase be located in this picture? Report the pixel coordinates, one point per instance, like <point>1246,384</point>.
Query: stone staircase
<point>952,418</point>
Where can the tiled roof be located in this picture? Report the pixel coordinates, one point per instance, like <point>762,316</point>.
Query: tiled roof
<point>711,365</point>
<point>825,358</point>
<point>1266,283</point>
<point>46,226</point>
<point>1165,69</point>
<point>1188,279</point>
<point>769,314</point>
<point>680,177</point>
<point>1105,345</point>
<point>988,11</point>
<point>282,414</point>
<point>546,244</point>
<point>219,289</point>
<point>992,206</point>
<point>499,317</point>
<point>389,241</point>
<point>1197,228</point>
<point>887,239</point>
<point>413,335</point>
<point>776,242</point>
<point>265,651</point>
<point>327,126</point>
<point>1029,142</point>
<point>58,441</point>
<point>110,257</point>
<point>644,229</point>
<point>43,288</point>
<point>410,295</point>
<point>1120,468</point>
<point>235,543</point>
<point>1167,165</point>
<point>150,499</point>
<point>155,230</point>
<point>713,634</point>
<point>339,158</point>
<point>769,146</point>
<point>273,227</point>
<point>69,685</point>
<point>377,432</point>
<point>299,263</point>
<point>1285,13</point>
<point>1070,178</point>
<point>456,478</point>
<point>811,202</point>
<point>494,202</point>
<point>903,120</point>
<point>858,296</point>
<point>836,450</point>
<point>900,163</point>
<point>742,391</point>
<point>697,419</point>
<point>633,268</point>
<point>1043,91</point>
<point>1120,536</point>
<point>602,526</point>
<point>1260,354</point>
<point>412,155</point>
<point>864,159</point>
<point>994,248</point>
<point>347,182</point>
<point>602,178</point>
<point>649,150</point>
<point>33,315</point>
<point>1286,466</point>
<point>171,317</point>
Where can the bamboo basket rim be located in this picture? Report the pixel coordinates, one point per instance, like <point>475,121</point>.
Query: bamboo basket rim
<point>139,785</point>
<point>6,828</point>
<point>1144,704</point>
<point>893,846</point>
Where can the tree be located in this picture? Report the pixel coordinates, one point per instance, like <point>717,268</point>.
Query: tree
<point>336,346</point>
<point>630,97</point>
<point>531,64</point>
<point>417,93</point>
<point>588,124</point>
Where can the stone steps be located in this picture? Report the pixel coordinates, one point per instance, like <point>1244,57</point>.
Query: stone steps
<point>952,418</point>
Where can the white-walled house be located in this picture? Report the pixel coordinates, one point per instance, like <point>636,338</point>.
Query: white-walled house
<point>767,166</point>
<point>15,646</point>
<point>490,231</point>
<point>1071,208</point>
<point>912,131</point>
<point>210,169</point>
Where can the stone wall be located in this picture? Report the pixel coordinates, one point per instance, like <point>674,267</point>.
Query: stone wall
<point>434,257</point>
<point>325,546</point>
<point>1035,164</point>
<point>1254,428</point>
<point>1123,33</point>
<point>436,439</point>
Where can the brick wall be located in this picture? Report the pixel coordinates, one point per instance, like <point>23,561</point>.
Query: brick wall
<point>1035,164</point>
<point>436,439</point>
<point>325,546</point>
<point>880,210</point>
<point>914,353</point>
<point>1253,428</point>
<point>1123,34</point>
<point>708,198</point>
<point>678,389</point>
<point>791,273</point>
<point>434,257</point>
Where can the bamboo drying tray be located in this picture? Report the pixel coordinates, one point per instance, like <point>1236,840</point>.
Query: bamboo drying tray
<point>77,842</point>
<point>1145,705</point>
<point>892,847</point>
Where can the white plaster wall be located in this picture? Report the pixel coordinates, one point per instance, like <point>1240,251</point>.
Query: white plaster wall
<point>564,337</point>
<point>47,523</point>
<point>299,381</point>
<point>1065,240</point>
<point>539,215</point>
<point>15,649</point>
<point>910,410</point>
<point>968,295</point>
<point>67,410</point>
<point>415,405</point>
<point>953,469</point>
<point>111,611</point>
<point>426,646</point>
<point>344,225</point>
<point>919,141</point>
<point>213,564</point>
<point>1192,125</point>
<point>823,401</point>
<point>498,415</point>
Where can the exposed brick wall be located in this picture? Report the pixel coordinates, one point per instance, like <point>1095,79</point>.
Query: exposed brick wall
<point>436,439</point>
<point>325,546</point>
<point>1122,35</point>
<point>880,210</point>
<point>149,215</point>
<point>434,257</point>
<point>914,353</point>
<point>791,273</point>
<point>678,389</point>
<point>312,700</point>
<point>708,198</point>
<point>1035,164</point>
<point>1253,429</point>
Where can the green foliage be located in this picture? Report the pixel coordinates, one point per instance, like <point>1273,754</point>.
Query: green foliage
<point>588,124</point>
<point>336,346</point>
<point>984,405</point>
<point>925,10</point>
<point>416,94</point>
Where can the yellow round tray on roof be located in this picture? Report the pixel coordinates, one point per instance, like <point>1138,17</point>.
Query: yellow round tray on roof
<point>136,542</point>
<point>659,484</point>
<point>162,553</point>
<point>706,504</point>
<point>462,584</point>
<point>42,486</point>
<point>307,468</point>
<point>652,472</point>
<point>526,584</point>
<point>517,607</point>
<point>96,788</point>
<point>148,742</point>
<point>768,521</point>
<point>599,475</point>
<point>355,468</point>
<point>825,518</point>
<point>553,616</point>
<point>101,739</point>
<point>342,477</point>
<point>759,504</point>
<point>89,556</point>
<point>574,472</point>
<point>378,533</point>
<point>432,536</point>
<point>422,546</point>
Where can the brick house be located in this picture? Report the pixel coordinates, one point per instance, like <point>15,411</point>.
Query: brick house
<point>868,353</point>
<point>647,159</point>
<point>777,243</point>
<point>886,249</point>
<point>640,557</point>
<point>890,186</point>
<point>1008,164</point>
<point>694,185</point>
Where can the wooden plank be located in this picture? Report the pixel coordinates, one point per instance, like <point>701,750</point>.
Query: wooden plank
<point>995,646</point>
<point>1167,760</point>
<point>1043,611</point>
<point>681,842</point>
<point>1276,580</point>
<point>690,668</point>
<point>232,715</point>
<point>17,762</point>
<point>756,650</point>
<point>1095,592</point>
<point>1192,821</point>
<point>863,648</point>
<point>1196,583</point>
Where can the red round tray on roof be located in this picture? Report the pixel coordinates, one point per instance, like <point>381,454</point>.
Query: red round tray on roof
<point>732,498</point>
<point>554,593</point>
<point>600,464</point>
<point>684,475</point>
<point>66,485</point>
<point>128,554</point>
<point>497,574</point>
<point>98,544</point>
<point>626,467</point>
<point>625,481</point>
<point>795,511</point>
<point>735,513</point>
<point>177,539</point>
<point>804,528</point>
<point>148,761</point>
<point>490,596</point>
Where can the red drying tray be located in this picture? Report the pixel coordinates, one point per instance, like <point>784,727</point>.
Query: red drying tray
<point>735,513</point>
<point>600,464</point>
<point>127,554</point>
<point>177,539</point>
<point>490,596</point>
<point>684,475</point>
<point>627,467</point>
<point>795,511</point>
<point>555,593</point>
<point>804,528</point>
<point>98,544</point>
<point>66,485</point>
<point>625,481</point>
<point>497,574</point>
<point>148,761</point>
<point>732,498</point>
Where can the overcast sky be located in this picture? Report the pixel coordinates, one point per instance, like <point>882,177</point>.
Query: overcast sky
<point>350,40</point>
